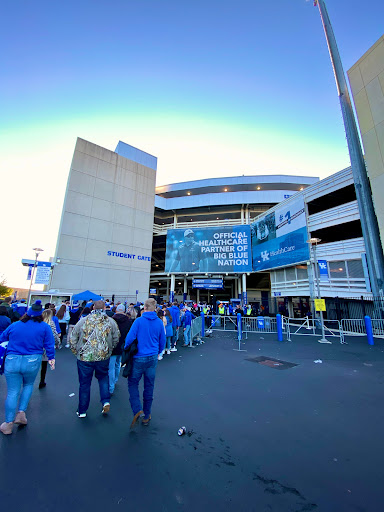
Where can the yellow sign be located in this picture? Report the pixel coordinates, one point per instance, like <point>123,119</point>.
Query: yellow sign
<point>320,305</point>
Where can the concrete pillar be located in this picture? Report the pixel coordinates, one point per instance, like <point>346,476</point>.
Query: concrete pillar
<point>175,220</point>
<point>185,295</point>
<point>172,291</point>
<point>242,214</point>
<point>245,300</point>
<point>168,282</point>
<point>198,295</point>
<point>238,279</point>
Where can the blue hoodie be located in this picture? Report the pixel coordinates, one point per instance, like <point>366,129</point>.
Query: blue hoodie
<point>187,320</point>
<point>175,313</point>
<point>149,331</point>
<point>29,338</point>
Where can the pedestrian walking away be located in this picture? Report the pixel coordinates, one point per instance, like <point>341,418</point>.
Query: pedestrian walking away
<point>74,315</point>
<point>149,332</point>
<point>124,322</point>
<point>47,315</point>
<point>27,339</point>
<point>92,341</point>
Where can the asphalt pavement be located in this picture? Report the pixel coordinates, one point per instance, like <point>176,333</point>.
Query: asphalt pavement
<point>262,438</point>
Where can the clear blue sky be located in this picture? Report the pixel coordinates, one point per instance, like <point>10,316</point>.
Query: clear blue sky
<point>208,87</point>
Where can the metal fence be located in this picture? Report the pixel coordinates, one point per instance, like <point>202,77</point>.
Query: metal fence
<point>356,327</point>
<point>196,327</point>
<point>305,326</point>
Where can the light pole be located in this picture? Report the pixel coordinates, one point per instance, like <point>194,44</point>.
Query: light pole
<point>369,225</point>
<point>37,252</point>
<point>313,243</point>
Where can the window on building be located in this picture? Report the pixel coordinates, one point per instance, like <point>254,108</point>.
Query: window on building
<point>355,269</point>
<point>280,276</point>
<point>337,269</point>
<point>290,273</point>
<point>302,272</point>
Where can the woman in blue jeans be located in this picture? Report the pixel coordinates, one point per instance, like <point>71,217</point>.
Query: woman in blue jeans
<point>27,340</point>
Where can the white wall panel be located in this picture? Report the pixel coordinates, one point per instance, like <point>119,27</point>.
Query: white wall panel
<point>105,192</point>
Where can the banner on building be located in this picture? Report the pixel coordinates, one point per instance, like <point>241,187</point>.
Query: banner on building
<point>323,270</point>
<point>280,238</point>
<point>220,249</point>
<point>43,272</point>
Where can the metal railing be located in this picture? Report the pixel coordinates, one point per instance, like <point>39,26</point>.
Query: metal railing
<point>196,327</point>
<point>261,324</point>
<point>357,327</point>
<point>312,326</point>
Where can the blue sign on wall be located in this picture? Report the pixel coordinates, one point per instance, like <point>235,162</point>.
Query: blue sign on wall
<point>280,238</point>
<point>207,284</point>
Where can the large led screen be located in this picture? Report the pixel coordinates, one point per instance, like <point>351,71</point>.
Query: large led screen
<point>220,249</point>
<point>280,238</point>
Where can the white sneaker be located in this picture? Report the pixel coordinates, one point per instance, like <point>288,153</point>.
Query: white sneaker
<point>173,349</point>
<point>82,415</point>
<point>67,345</point>
<point>159,357</point>
<point>168,352</point>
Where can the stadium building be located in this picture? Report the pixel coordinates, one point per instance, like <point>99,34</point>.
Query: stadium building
<point>214,239</point>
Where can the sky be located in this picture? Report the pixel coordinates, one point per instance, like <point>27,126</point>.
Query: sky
<point>211,88</point>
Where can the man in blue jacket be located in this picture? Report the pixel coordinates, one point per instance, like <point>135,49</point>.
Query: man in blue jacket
<point>187,322</point>
<point>150,335</point>
<point>175,314</point>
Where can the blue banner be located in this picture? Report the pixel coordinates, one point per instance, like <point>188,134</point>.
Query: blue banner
<point>221,249</point>
<point>280,238</point>
<point>245,298</point>
<point>323,269</point>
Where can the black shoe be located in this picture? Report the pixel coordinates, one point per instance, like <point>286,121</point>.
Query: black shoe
<point>42,385</point>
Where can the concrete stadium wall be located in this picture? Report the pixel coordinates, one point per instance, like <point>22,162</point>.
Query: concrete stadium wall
<point>366,78</point>
<point>108,208</point>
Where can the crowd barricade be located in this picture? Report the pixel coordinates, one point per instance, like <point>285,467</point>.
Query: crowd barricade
<point>358,327</point>
<point>196,328</point>
<point>259,324</point>
<point>312,326</point>
<point>222,323</point>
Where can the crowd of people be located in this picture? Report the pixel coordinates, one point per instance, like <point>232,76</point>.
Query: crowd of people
<point>100,334</point>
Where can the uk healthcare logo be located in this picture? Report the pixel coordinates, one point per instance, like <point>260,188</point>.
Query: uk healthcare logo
<point>265,255</point>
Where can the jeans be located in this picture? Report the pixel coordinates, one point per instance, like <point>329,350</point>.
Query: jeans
<point>114,372</point>
<point>85,370</point>
<point>168,342</point>
<point>187,335</point>
<point>175,335</point>
<point>142,366</point>
<point>20,372</point>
